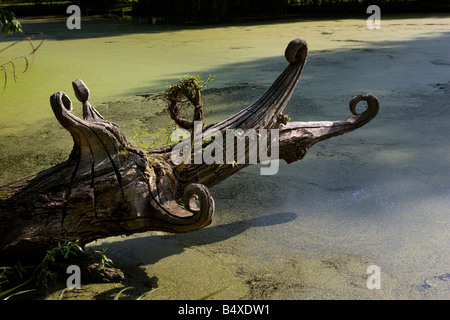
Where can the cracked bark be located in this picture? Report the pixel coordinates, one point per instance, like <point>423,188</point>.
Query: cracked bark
<point>108,188</point>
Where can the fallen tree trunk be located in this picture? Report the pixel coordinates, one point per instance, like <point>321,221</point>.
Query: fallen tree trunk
<point>108,188</point>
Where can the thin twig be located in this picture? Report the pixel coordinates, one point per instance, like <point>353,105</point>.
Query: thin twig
<point>34,48</point>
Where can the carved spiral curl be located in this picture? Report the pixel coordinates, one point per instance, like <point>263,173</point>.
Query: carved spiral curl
<point>197,198</point>
<point>373,106</point>
<point>296,51</point>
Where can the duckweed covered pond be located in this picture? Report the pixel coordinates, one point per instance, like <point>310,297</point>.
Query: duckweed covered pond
<point>377,196</point>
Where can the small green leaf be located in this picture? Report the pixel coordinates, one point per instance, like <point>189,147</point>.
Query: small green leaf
<point>4,293</point>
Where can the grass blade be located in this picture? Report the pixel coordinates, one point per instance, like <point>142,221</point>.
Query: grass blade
<point>146,293</point>
<point>20,292</point>
<point>120,292</point>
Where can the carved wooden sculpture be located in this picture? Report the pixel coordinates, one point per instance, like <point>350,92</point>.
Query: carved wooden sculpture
<point>107,187</point>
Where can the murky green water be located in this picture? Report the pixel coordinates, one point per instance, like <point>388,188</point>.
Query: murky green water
<point>377,196</point>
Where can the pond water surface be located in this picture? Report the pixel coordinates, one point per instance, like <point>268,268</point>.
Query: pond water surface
<point>377,196</point>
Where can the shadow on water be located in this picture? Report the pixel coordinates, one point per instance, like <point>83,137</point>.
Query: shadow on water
<point>151,249</point>
<point>99,27</point>
<point>130,254</point>
<point>55,28</point>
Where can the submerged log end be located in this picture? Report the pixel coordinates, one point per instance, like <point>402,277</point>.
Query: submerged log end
<point>297,50</point>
